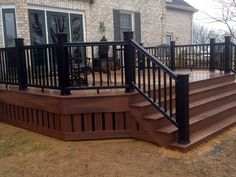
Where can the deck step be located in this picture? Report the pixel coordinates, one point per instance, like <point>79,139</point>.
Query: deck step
<point>212,108</point>
<point>205,133</point>
<point>213,115</point>
<point>212,81</point>
<point>220,88</point>
<point>223,82</point>
<point>206,101</point>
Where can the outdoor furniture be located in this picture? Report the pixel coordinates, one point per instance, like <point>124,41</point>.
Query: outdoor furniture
<point>79,71</point>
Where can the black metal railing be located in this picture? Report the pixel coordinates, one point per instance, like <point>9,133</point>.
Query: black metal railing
<point>8,67</point>
<point>192,56</point>
<point>197,56</point>
<point>219,56</point>
<point>162,53</point>
<point>42,66</point>
<point>75,66</point>
<point>233,59</point>
<point>89,69</point>
<point>164,89</point>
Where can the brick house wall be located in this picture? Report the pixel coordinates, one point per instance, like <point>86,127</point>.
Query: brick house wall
<point>179,25</point>
<point>153,24</point>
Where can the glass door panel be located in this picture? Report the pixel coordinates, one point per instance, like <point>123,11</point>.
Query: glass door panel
<point>57,23</point>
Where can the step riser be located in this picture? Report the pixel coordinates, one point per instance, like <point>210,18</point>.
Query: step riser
<point>212,81</point>
<point>167,138</point>
<point>210,120</point>
<point>158,123</point>
<point>211,92</point>
<point>211,105</point>
<point>138,97</point>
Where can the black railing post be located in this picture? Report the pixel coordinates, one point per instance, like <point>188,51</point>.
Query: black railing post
<point>212,54</point>
<point>21,63</point>
<point>227,54</point>
<point>172,55</point>
<point>182,108</point>
<point>129,62</point>
<point>63,65</point>
<point>141,60</point>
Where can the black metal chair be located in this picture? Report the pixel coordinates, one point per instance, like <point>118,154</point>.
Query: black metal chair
<point>80,68</point>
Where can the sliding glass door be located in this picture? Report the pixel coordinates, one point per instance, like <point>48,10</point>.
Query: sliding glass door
<point>57,23</point>
<point>46,25</point>
<point>37,27</point>
<point>77,34</point>
<point>9,26</point>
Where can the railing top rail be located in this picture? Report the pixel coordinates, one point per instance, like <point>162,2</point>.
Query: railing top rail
<point>40,46</point>
<point>77,44</point>
<point>220,43</point>
<point>192,45</point>
<point>158,63</point>
<point>6,48</point>
<point>156,47</point>
<point>96,43</point>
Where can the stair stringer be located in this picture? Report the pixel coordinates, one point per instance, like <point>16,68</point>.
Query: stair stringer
<point>152,135</point>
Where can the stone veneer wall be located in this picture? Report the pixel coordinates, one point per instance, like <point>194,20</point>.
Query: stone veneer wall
<point>179,23</point>
<point>101,10</point>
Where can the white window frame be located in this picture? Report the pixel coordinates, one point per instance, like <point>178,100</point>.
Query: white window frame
<point>132,18</point>
<point>60,10</point>
<point>8,6</point>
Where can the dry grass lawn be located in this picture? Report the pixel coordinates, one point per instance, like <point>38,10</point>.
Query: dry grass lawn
<point>24,153</point>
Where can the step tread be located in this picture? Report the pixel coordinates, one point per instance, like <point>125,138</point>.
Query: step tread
<point>211,87</point>
<point>204,115</point>
<point>212,112</point>
<point>145,103</point>
<point>212,98</point>
<point>157,115</point>
<point>224,76</point>
<point>206,132</point>
<point>153,116</point>
<point>141,104</point>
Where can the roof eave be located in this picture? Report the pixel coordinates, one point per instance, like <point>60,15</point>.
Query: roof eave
<point>182,8</point>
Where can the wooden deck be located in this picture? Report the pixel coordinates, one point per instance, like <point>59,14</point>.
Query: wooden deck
<point>195,75</point>
<point>83,115</point>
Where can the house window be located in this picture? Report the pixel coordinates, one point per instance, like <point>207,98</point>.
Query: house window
<point>57,23</point>
<point>37,27</point>
<point>46,24</point>
<point>77,33</point>
<point>125,24</point>
<point>168,38</point>
<point>9,27</point>
<point>126,21</point>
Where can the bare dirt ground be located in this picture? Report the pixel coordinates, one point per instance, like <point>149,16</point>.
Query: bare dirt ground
<point>24,153</point>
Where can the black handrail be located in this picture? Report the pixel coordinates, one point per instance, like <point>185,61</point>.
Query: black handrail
<point>149,78</point>
<point>165,90</point>
<point>96,43</point>
<point>151,57</point>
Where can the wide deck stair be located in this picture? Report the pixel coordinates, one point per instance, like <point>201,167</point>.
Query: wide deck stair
<point>212,109</point>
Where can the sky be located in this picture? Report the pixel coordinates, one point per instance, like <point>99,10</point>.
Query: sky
<point>206,6</point>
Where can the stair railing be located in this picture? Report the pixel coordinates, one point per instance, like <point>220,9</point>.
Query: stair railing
<point>166,91</point>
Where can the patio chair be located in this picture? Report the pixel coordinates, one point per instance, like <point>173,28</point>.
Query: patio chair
<point>80,68</point>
